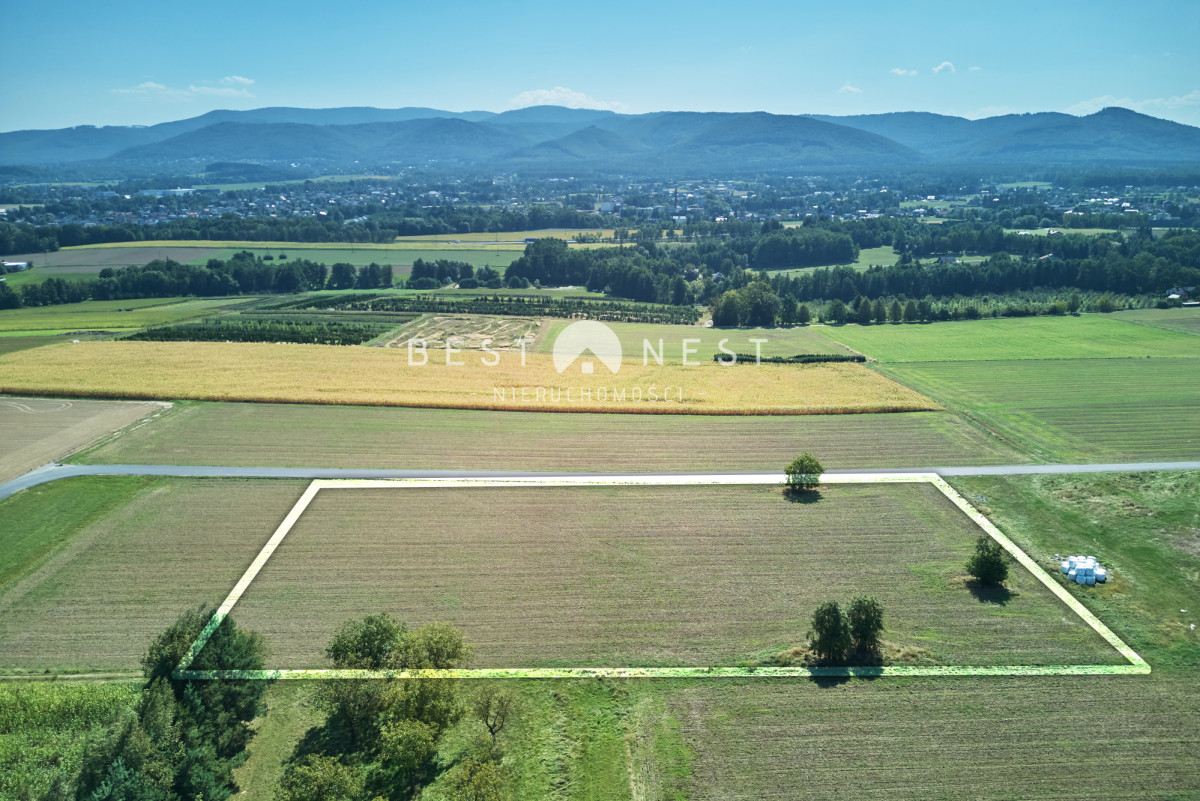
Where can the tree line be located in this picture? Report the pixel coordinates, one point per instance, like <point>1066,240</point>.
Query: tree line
<point>242,274</point>
<point>384,738</point>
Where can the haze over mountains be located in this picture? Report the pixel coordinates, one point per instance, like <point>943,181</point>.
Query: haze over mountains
<point>552,137</point>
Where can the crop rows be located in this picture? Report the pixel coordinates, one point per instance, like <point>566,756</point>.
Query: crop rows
<point>1072,410</point>
<point>356,436</point>
<point>647,576</point>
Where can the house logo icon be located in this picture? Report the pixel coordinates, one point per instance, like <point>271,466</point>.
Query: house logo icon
<point>583,338</point>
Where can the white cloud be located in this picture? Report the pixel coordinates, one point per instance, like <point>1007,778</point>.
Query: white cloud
<point>1147,106</point>
<point>945,65</point>
<point>152,89</point>
<point>975,69</point>
<point>218,91</point>
<point>562,96</point>
<point>898,71</point>
<point>851,89</point>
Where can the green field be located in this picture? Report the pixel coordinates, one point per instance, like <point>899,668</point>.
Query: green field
<point>45,727</point>
<point>294,435</point>
<point>912,739</point>
<point>1085,337</point>
<point>1185,320</point>
<point>86,262</point>
<point>1107,410</point>
<point>110,315</point>
<point>1046,231</point>
<point>884,256</point>
<point>40,522</point>
<point>779,341</point>
<point>401,258</point>
<point>12,344</point>
<point>943,739</point>
<point>114,580</point>
<point>1142,525</point>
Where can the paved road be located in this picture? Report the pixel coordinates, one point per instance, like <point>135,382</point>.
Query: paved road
<point>53,472</point>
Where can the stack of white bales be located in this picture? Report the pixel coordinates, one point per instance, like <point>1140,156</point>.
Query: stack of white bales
<point>1084,570</point>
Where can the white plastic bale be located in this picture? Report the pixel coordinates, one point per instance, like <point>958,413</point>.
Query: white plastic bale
<point>1091,580</point>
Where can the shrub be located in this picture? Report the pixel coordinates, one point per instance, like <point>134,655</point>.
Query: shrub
<point>317,778</point>
<point>988,564</point>
<point>804,472</point>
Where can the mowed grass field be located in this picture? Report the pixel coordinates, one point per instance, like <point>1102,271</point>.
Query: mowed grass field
<point>298,435</point>
<point>1186,320</point>
<point>1085,337</point>
<point>884,256</point>
<point>942,740</point>
<point>667,340</point>
<point>379,376</point>
<point>904,738</point>
<point>110,315</point>
<point>514,237</point>
<point>40,430</point>
<point>648,575</point>
<point>110,582</point>
<point>87,262</point>
<point>1074,410</point>
<point>1145,526</point>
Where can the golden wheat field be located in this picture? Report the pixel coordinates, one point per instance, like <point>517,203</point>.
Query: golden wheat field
<point>385,377</point>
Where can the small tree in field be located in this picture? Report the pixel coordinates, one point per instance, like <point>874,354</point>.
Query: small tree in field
<point>988,564</point>
<point>830,632</point>
<point>804,472</point>
<point>866,622</point>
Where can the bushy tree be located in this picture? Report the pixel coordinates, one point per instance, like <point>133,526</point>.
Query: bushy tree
<point>830,633</point>
<point>478,779</point>
<point>378,642</point>
<point>367,644</point>
<point>804,472</point>
<point>989,563</point>
<point>320,778</point>
<point>405,746</point>
<point>866,622</point>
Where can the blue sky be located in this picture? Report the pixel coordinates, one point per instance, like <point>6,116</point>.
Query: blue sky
<point>71,63</point>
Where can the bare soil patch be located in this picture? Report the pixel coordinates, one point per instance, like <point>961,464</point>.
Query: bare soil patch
<point>41,430</point>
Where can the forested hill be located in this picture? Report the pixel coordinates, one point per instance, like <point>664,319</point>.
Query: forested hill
<point>550,137</point>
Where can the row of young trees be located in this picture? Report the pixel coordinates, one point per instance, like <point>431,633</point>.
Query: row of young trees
<point>380,739</point>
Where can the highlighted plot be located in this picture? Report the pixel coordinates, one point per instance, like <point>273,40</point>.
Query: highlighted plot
<point>651,576</point>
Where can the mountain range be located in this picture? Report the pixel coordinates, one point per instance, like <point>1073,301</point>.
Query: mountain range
<point>555,138</point>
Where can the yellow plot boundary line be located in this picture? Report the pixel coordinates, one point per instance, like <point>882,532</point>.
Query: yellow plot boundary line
<point>1136,665</point>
